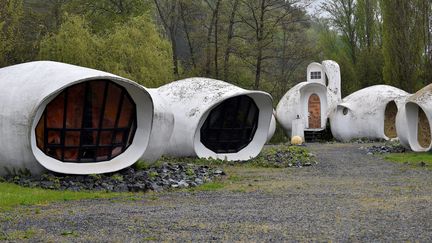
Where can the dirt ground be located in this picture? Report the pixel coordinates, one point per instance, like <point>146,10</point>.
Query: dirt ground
<point>348,196</point>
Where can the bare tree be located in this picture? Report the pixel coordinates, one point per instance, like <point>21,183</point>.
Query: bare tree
<point>168,14</point>
<point>264,18</point>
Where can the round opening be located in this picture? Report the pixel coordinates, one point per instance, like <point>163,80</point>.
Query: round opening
<point>87,122</point>
<point>390,120</point>
<point>345,111</point>
<point>231,125</point>
<point>423,129</point>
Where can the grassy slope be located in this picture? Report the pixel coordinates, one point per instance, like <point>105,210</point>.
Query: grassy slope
<point>411,158</point>
<point>12,195</point>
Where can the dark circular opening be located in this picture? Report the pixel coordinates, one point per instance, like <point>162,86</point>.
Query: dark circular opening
<point>231,125</point>
<point>88,122</point>
<point>345,111</point>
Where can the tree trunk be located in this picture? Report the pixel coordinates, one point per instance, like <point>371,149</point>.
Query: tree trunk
<point>229,39</point>
<point>216,14</point>
<point>186,30</point>
<point>260,35</point>
<point>208,52</point>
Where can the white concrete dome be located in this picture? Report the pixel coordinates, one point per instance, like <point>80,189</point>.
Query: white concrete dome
<point>294,105</point>
<point>216,119</point>
<point>310,102</point>
<point>368,113</point>
<point>85,138</point>
<point>414,121</point>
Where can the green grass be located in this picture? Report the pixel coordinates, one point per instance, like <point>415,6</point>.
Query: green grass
<point>411,158</point>
<point>12,195</point>
<point>211,186</point>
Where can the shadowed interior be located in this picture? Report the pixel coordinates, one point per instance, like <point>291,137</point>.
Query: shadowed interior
<point>424,131</point>
<point>390,120</point>
<point>231,125</point>
<point>87,122</point>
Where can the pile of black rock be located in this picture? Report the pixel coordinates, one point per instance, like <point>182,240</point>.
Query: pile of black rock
<point>384,149</point>
<point>128,180</point>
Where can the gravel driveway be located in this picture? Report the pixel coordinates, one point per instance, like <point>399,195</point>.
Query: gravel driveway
<point>348,196</point>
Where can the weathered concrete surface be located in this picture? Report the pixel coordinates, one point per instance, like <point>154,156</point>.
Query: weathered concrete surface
<point>191,100</point>
<point>25,91</point>
<point>361,114</point>
<point>295,102</point>
<point>347,197</point>
<point>407,121</point>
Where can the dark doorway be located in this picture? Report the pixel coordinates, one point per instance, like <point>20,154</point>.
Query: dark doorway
<point>231,125</point>
<point>88,122</point>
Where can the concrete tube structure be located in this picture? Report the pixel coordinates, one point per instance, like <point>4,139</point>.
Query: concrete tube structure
<point>163,125</point>
<point>414,121</point>
<point>214,119</point>
<point>368,113</point>
<point>70,119</point>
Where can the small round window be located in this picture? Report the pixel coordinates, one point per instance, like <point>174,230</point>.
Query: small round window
<point>345,111</point>
<point>87,122</point>
<point>231,125</point>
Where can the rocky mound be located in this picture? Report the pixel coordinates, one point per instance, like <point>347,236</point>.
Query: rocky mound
<point>128,180</point>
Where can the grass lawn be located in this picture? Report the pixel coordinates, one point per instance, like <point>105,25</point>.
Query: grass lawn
<point>414,159</point>
<point>13,195</point>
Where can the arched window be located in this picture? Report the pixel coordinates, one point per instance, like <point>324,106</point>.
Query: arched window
<point>88,122</point>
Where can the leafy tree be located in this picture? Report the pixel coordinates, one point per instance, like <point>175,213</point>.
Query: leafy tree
<point>11,14</point>
<point>136,51</point>
<point>402,43</point>
<point>73,43</point>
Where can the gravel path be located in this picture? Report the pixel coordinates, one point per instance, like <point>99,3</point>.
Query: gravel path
<point>348,196</point>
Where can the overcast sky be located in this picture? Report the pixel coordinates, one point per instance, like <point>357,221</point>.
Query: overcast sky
<point>312,9</point>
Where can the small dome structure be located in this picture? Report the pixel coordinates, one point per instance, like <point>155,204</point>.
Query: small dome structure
<point>369,112</point>
<point>311,101</point>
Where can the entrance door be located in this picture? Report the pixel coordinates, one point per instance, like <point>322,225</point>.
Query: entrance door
<point>314,108</point>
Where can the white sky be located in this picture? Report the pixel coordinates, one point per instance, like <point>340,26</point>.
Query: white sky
<point>314,5</point>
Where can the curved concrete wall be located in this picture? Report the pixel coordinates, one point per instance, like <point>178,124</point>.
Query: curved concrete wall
<point>163,125</point>
<point>191,100</point>
<point>362,113</point>
<point>25,91</point>
<point>407,120</point>
<point>295,103</point>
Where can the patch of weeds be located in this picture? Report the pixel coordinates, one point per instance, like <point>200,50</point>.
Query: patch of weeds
<point>12,195</point>
<point>144,165</point>
<point>152,175</point>
<point>234,178</point>
<point>283,156</point>
<point>411,159</point>
<point>190,172</point>
<point>150,238</point>
<point>211,186</point>
<point>153,198</point>
<point>18,235</point>
<point>95,176</point>
<point>70,233</point>
<point>117,177</point>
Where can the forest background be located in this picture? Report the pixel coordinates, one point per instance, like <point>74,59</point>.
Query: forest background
<point>256,44</point>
